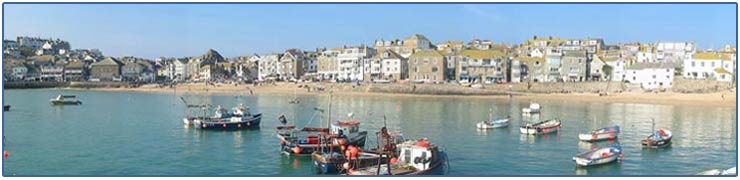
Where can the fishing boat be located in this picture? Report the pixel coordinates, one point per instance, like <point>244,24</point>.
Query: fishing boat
<point>239,118</point>
<point>493,123</point>
<point>309,144</point>
<point>65,100</point>
<point>533,108</point>
<point>598,156</point>
<point>544,127</point>
<point>335,162</point>
<point>415,158</point>
<point>609,133</point>
<point>660,138</point>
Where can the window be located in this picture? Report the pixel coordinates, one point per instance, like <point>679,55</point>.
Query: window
<point>702,64</point>
<point>434,69</point>
<point>712,64</point>
<point>654,76</point>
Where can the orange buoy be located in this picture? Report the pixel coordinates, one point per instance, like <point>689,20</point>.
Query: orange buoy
<point>5,153</point>
<point>394,160</point>
<point>297,150</point>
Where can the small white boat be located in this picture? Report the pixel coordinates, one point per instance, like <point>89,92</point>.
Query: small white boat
<point>544,127</point>
<point>533,108</point>
<point>715,172</point>
<point>493,124</point>
<point>65,100</point>
<point>600,134</point>
<point>598,156</point>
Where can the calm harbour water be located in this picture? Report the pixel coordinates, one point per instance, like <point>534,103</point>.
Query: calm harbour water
<point>127,133</point>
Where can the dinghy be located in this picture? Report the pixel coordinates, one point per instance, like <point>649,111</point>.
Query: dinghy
<point>609,133</point>
<point>660,138</point>
<point>65,100</point>
<point>598,156</point>
<point>544,127</point>
<point>493,124</point>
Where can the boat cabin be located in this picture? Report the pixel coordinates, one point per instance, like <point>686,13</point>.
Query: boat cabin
<point>346,127</point>
<point>417,154</point>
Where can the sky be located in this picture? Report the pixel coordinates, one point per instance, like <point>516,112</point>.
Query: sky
<point>181,30</point>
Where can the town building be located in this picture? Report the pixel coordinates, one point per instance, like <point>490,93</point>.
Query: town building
<point>709,65</point>
<point>108,69</point>
<point>427,66</point>
<point>651,76</point>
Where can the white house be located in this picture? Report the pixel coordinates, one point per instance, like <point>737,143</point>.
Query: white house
<point>650,76</point>
<point>673,52</point>
<point>268,65</point>
<point>709,65</point>
<point>180,69</point>
<point>350,62</point>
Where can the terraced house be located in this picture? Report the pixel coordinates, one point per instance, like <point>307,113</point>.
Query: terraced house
<point>710,65</point>
<point>427,66</point>
<point>574,67</point>
<point>328,64</point>
<point>386,65</point>
<point>482,66</point>
<point>529,69</point>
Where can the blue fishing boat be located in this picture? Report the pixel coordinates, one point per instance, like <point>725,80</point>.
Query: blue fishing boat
<point>239,119</point>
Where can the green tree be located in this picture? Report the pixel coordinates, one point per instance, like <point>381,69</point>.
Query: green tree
<point>607,71</point>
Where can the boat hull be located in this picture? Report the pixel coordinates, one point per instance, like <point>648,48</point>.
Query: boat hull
<point>536,131</point>
<point>248,123</point>
<point>439,167</point>
<point>495,124</point>
<point>55,102</point>
<point>334,165</point>
<point>597,137</point>
<point>650,143</point>
<point>357,140</point>
<point>603,156</point>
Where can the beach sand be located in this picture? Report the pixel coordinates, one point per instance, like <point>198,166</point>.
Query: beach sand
<point>726,98</point>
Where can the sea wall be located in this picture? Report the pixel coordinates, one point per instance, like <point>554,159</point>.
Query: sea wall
<point>681,85</point>
<point>51,84</point>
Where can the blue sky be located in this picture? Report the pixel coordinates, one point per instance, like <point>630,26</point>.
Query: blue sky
<point>179,30</point>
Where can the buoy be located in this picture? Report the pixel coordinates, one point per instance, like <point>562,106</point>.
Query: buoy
<point>238,125</point>
<point>224,126</point>
<point>249,123</point>
<point>282,142</point>
<point>5,153</point>
<point>345,165</point>
<point>353,151</point>
<point>204,126</point>
<point>297,150</point>
<point>394,160</point>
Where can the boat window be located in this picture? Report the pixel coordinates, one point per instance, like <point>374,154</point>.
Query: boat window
<point>407,155</point>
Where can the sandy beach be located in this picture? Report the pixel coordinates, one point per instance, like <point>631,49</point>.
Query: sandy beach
<point>726,98</point>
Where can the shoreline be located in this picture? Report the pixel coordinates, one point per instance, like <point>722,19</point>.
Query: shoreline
<point>668,98</point>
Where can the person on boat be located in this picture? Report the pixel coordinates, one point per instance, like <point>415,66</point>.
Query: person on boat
<point>386,140</point>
